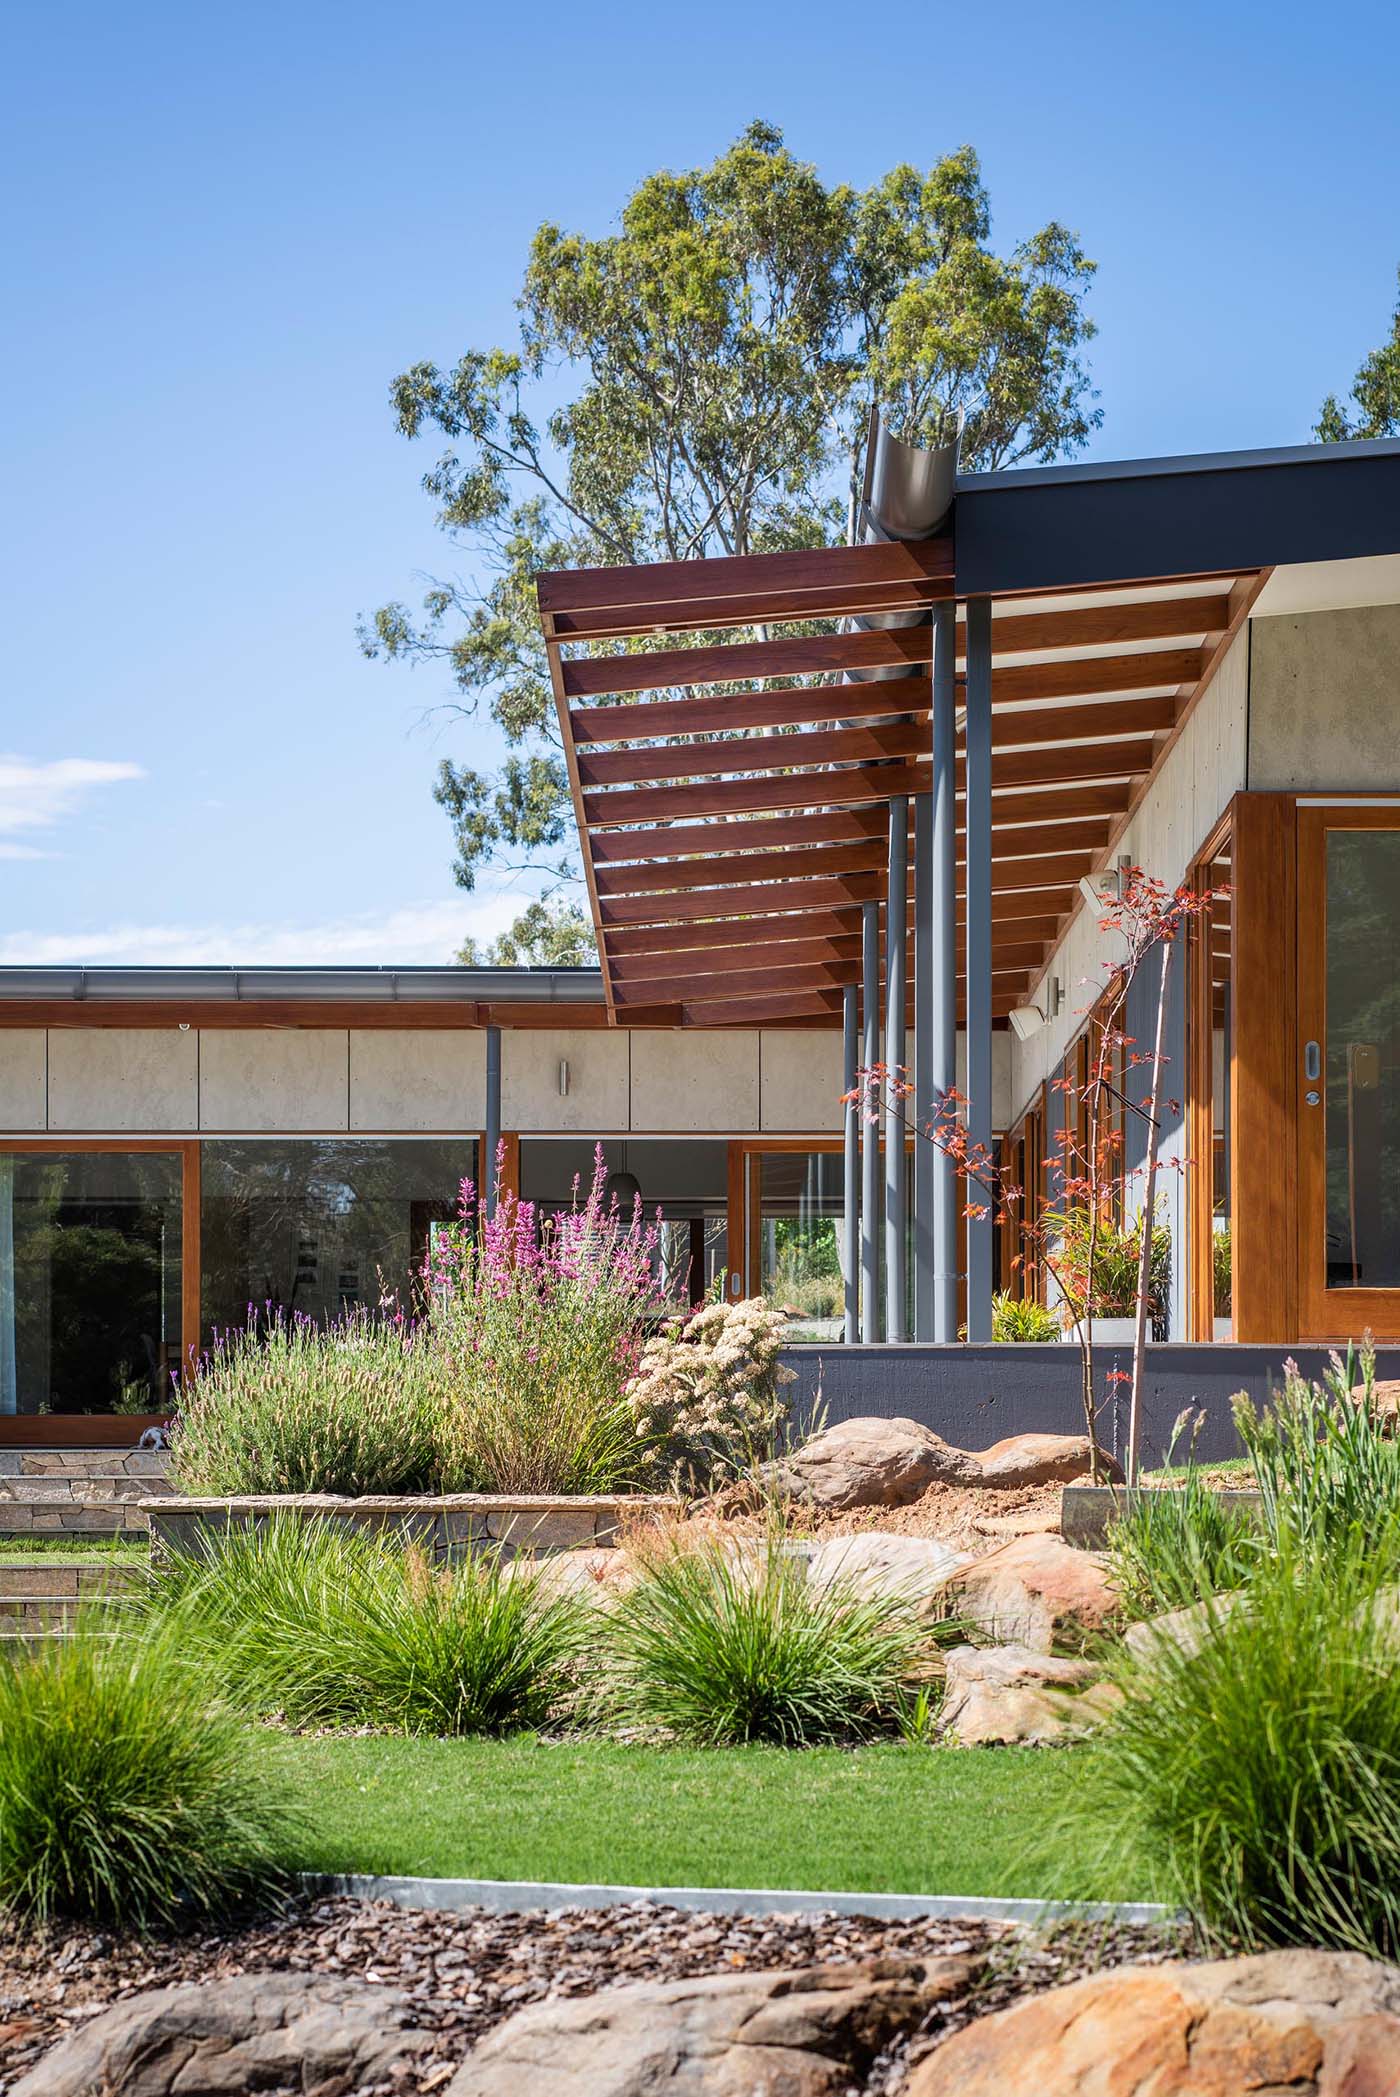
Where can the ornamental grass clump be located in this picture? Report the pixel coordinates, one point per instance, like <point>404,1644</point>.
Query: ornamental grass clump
<point>325,1626</point>
<point>1324,1457</point>
<point>532,1331</point>
<point>284,1405</point>
<point>127,1798</point>
<point>1175,1544</point>
<point>707,1396</point>
<point>1256,1775</point>
<point>724,1641</point>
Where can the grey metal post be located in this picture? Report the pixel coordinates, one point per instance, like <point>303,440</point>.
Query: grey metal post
<point>922,1111</point>
<point>940,1008</point>
<point>870,1129</point>
<point>850,1189</point>
<point>896,1174</point>
<point>490,1177</point>
<point>978,739</point>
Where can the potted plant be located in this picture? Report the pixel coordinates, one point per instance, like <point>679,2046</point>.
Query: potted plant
<point>1096,1274</point>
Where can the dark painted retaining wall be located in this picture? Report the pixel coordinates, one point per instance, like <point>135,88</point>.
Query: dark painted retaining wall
<point>974,1395</point>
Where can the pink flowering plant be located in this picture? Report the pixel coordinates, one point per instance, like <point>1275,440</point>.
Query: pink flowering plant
<point>533,1328</point>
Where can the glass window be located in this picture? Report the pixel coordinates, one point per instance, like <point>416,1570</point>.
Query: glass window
<point>799,1210</point>
<point>1362,1068</point>
<point>89,1281</point>
<point>320,1225</point>
<point>687,1181</point>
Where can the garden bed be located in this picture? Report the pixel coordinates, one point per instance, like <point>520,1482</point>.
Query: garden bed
<point>449,1526</point>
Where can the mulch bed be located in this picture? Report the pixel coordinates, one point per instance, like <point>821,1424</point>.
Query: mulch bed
<point>466,1972</point>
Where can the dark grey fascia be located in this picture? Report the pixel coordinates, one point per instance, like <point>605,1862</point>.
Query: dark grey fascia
<point>1058,527</point>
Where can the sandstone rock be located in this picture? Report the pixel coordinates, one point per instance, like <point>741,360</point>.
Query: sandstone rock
<point>1313,2023</point>
<point>913,1568</point>
<point>870,1463</point>
<point>802,2034</point>
<point>1044,1459</point>
<point>1186,1629</point>
<point>1385,1400</point>
<point>312,2033</point>
<point>1005,1695</point>
<point>598,1574</point>
<point>1037,1591</point>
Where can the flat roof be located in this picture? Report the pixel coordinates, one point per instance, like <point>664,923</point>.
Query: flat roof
<point>370,985</point>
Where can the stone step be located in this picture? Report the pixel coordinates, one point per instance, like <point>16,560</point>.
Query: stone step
<point>52,1517</point>
<point>57,1578</point>
<point>84,1463</point>
<point>53,1612</point>
<point>85,1491</point>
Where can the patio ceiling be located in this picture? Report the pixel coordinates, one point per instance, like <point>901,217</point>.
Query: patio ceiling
<point>732,792</point>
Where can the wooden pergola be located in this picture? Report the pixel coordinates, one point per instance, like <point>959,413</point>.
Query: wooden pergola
<point>734,794</point>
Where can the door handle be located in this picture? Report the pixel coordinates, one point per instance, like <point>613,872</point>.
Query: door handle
<point>1312,1062</point>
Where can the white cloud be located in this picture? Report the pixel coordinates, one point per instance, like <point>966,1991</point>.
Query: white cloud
<point>36,795</point>
<point>415,932</point>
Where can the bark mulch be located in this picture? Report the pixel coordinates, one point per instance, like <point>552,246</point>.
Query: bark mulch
<point>466,1972</point>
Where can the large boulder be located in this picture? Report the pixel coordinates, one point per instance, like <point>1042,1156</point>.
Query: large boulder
<point>1045,1459</point>
<point>916,1569</point>
<point>1003,1696</point>
<point>799,2034</point>
<point>870,1462</point>
<point>312,2033</point>
<point>1181,1630</point>
<point>1037,1591</point>
<point>1313,2023</point>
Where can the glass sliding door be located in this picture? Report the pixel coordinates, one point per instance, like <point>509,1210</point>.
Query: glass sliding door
<point>90,1282</point>
<point>320,1225</point>
<point>1210,1057</point>
<point>795,1199</point>
<point>1349,1070</point>
<point>685,1178</point>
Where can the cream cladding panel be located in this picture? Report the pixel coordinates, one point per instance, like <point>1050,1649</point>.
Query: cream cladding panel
<point>22,1079</point>
<point>283,1079</point>
<point>123,1078</point>
<point>405,1078</point>
<point>684,1082</point>
<point>1324,700</point>
<point>598,1062</point>
<point>800,1082</point>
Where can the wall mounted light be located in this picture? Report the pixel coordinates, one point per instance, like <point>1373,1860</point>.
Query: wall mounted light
<point>563,1077</point>
<point>1026,1021</point>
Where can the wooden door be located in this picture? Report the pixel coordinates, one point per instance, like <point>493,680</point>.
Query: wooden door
<point>1348,1071</point>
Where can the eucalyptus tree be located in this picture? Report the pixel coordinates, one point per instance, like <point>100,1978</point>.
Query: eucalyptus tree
<point>1374,396</point>
<point>696,383</point>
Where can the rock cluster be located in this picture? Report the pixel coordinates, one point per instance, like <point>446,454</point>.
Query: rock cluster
<point>873,1462</point>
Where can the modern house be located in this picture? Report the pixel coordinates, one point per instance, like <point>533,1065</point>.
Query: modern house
<point>836,808</point>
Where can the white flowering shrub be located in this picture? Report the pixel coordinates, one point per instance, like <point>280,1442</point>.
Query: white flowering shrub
<point>707,1395</point>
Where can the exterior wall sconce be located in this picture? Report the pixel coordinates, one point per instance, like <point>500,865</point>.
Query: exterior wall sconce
<point>563,1077</point>
<point>1027,1020</point>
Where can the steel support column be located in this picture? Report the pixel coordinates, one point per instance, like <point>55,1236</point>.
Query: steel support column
<point>978,832</point>
<point>870,1128</point>
<point>490,1173</point>
<point>920,1106</point>
<point>940,1066</point>
<point>850,1178</point>
<point>896,1173</point>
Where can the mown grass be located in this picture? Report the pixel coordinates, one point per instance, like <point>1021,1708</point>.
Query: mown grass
<point>882,1818</point>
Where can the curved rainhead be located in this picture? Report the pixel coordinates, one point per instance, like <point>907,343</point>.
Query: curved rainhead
<point>908,495</point>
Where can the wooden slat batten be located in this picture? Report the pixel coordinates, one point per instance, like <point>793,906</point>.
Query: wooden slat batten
<point>784,706</point>
<point>676,843</point>
<point>792,655</point>
<point>871,746</point>
<point>823,575</point>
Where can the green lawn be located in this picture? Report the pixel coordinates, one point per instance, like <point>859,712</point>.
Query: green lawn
<point>95,1549</point>
<point>888,1819</point>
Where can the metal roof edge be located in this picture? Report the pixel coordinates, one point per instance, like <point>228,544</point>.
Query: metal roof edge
<point>1013,477</point>
<point>376,984</point>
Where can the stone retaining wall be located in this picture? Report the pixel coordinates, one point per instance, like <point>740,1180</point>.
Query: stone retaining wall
<point>450,1527</point>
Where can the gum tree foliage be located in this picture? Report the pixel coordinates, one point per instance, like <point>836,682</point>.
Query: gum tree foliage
<point>697,383</point>
<point>1374,396</point>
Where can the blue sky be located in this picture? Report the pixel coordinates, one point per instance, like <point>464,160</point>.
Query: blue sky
<point>228,228</point>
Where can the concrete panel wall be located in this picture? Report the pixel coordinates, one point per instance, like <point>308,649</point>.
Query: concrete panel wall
<point>23,1079</point>
<point>127,1079</point>
<point>685,1083</point>
<point>1325,701</point>
<point>1203,772</point>
<point>406,1078</point>
<point>799,1083</point>
<point>280,1080</point>
<point>597,1101</point>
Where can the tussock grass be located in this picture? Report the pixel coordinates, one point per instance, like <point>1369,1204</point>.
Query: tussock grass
<point>126,1797</point>
<point>329,1627</point>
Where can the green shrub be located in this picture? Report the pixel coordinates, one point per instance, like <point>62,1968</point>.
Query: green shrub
<point>1258,1778</point>
<point>126,1799</point>
<point>332,1627</point>
<point>1322,1456</point>
<point>284,1405</point>
<point>1175,1544</point>
<point>1117,1252</point>
<point>722,1646</point>
<point>1016,1318</point>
